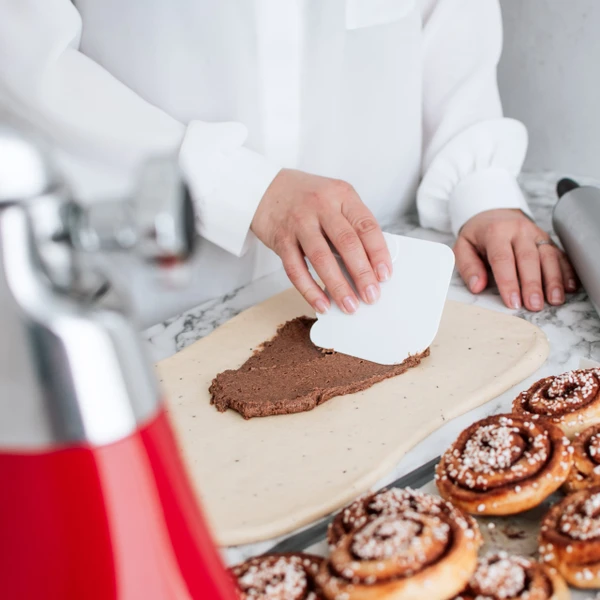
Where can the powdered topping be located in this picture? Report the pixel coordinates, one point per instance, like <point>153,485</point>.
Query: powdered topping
<point>393,546</point>
<point>493,447</point>
<point>385,538</point>
<point>277,578</point>
<point>580,520</point>
<point>497,451</point>
<point>394,502</point>
<point>561,395</point>
<point>593,448</point>
<point>591,506</point>
<point>500,577</point>
<point>586,472</point>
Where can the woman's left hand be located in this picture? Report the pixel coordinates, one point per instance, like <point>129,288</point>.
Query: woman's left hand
<point>526,265</point>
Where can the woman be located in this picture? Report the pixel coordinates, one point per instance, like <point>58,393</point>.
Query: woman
<point>298,122</point>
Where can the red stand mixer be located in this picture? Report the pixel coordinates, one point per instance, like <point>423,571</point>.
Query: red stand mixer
<point>95,501</point>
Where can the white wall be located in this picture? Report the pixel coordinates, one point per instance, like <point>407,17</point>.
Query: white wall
<point>549,78</point>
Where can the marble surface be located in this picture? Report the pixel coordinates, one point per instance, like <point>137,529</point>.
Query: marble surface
<point>572,329</point>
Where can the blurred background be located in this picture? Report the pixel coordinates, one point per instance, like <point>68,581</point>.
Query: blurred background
<point>549,79</point>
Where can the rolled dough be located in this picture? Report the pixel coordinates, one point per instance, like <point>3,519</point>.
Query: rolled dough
<point>265,477</point>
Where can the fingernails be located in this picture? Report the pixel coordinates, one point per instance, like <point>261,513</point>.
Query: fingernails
<point>473,282</point>
<point>372,293</point>
<point>515,300</point>
<point>572,285</point>
<point>350,305</point>
<point>383,272</point>
<point>321,307</point>
<point>536,301</point>
<point>556,297</point>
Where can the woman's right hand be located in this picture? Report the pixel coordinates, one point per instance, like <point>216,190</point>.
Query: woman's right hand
<point>297,216</point>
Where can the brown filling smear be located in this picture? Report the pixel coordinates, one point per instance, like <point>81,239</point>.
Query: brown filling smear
<point>289,374</point>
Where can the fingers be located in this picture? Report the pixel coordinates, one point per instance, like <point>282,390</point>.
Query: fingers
<point>530,272</point>
<point>501,257</point>
<point>299,275</point>
<point>321,257</point>
<point>353,253</point>
<point>363,222</point>
<point>527,267</point>
<point>470,266</point>
<point>568,273</point>
<point>553,276</point>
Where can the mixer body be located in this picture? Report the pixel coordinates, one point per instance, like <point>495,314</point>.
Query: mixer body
<point>95,500</point>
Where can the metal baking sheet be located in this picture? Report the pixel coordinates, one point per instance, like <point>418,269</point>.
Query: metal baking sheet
<point>516,534</point>
<point>315,534</point>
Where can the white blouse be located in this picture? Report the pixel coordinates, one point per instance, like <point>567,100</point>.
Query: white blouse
<point>397,97</point>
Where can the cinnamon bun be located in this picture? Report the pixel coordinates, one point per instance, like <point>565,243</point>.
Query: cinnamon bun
<point>388,502</point>
<point>570,538</point>
<point>504,465</point>
<point>586,461</point>
<point>278,577</point>
<point>570,400</point>
<point>503,577</point>
<point>410,555</point>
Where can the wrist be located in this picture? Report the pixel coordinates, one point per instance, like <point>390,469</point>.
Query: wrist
<point>487,190</point>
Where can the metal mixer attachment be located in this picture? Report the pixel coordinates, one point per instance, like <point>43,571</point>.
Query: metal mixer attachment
<point>157,224</point>
<point>76,365</point>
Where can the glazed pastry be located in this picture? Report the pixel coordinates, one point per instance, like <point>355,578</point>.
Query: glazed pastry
<point>390,502</point>
<point>571,400</point>
<point>570,538</point>
<point>586,461</point>
<point>504,577</point>
<point>410,555</point>
<point>278,577</point>
<point>504,465</point>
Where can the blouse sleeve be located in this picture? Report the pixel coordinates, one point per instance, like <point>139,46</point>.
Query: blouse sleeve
<point>47,81</point>
<point>471,153</point>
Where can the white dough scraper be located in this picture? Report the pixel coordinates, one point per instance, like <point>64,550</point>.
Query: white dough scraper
<point>406,318</point>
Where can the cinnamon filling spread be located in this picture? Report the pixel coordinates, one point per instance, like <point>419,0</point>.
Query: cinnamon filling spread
<point>289,374</point>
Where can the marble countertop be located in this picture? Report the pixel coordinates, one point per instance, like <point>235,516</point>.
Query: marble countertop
<point>572,329</point>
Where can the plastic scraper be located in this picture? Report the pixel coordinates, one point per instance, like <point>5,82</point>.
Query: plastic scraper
<point>406,318</point>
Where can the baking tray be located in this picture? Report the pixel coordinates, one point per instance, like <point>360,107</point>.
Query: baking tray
<point>315,534</point>
<point>515,534</point>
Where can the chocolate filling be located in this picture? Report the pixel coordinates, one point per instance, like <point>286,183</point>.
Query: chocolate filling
<point>289,374</point>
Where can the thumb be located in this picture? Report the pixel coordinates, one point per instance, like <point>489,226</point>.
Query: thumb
<point>470,266</point>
